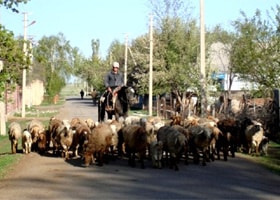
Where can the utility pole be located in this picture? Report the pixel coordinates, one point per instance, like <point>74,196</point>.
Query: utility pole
<point>125,59</point>
<point>25,57</point>
<point>202,60</point>
<point>23,92</point>
<point>2,110</point>
<point>151,68</point>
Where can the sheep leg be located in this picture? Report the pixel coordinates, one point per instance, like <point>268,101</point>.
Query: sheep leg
<point>195,156</point>
<point>225,152</point>
<point>89,158</point>
<point>13,146</point>
<point>173,162</point>
<point>25,148</point>
<point>29,148</point>
<point>204,159</point>
<point>100,158</point>
<point>131,159</point>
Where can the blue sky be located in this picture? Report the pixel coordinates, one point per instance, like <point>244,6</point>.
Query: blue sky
<point>83,20</point>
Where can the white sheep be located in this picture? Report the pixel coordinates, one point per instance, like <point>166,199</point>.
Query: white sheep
<point>26,141</point>
<point>132,120</point>
<point>254,134</point>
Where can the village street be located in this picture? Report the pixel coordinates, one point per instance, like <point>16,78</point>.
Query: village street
<point>49,177</point>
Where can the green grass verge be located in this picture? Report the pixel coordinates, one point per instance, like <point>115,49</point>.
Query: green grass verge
<point>7,159</point>
<point>43,113</point>
<point>270,161</point>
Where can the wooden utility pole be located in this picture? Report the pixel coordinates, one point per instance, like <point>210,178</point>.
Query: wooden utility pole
<point>125,60</point>
<point>151,69</point>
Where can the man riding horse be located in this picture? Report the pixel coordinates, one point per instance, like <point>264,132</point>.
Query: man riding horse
<point>113,81</point>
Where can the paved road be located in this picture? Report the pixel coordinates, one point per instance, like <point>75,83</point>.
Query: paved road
<point>48,177</point>
<point>75,107</point>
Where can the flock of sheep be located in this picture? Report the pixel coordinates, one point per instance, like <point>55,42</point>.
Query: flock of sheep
<point>165,144</point>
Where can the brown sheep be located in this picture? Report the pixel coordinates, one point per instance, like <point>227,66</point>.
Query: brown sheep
<point>98,143</point>
<point>42,142</point>
<point>176,120</point>
<point>217,142</point>
<point>54,123</point>
<point>134,137</point>
<point>232,137</point>
<point>14,131</point>
<point>90,123</point>
<point>62,139</point>
<point>75,122</point>
<point>81,134</point>
<point>35,127</point>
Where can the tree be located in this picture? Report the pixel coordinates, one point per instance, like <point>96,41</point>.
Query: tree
<point>12,4</point>
<point>175,55</point>
<point>13,58</point>
<point>255,53</point>
<point>56,56</point>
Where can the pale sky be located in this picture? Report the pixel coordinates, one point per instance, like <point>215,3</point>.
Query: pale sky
<point>83,20</point>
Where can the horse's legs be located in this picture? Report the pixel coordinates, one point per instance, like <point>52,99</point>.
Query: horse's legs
<point>110,115</point>
<point>101,110</point>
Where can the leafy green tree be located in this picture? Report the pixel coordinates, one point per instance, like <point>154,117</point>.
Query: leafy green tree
<point>255,53</point>
<point>175,51</point>
<point>56,56</point>
<point>12,4</point>
<point>55,84</point>
<point>12,56</point>
<point>91,69</point>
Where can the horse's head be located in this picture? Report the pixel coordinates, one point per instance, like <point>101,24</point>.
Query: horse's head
<point>127,95</point>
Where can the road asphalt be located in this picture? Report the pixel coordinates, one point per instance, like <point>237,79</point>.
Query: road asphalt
<point>77,107</point>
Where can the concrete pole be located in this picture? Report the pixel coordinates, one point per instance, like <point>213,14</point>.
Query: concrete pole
<point>24,67</point>
<point>151,69</point>
<point>202,60</point>
<point>2,110</point>
<point>2,119</point>
<point>125,60</point>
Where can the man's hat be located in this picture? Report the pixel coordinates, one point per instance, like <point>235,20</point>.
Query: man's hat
<point>116,64</point>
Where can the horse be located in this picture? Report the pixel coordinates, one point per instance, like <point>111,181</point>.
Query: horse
<point>125,97</point>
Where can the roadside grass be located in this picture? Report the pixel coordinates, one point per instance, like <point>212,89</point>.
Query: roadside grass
<point>7,159</point>
<point>43,113</point>
<point>270,161</point>
<point>46,109</point>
